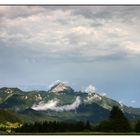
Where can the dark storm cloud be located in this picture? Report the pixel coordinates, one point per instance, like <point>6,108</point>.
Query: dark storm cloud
<point>8,12</point>
<point>65,30</point>
<point>124,13</point>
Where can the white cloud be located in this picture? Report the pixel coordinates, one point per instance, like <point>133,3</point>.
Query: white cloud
<point>90,89</point>
<point>134,47</point>
<point>72,106</point>
<point>45,106</point>
<point>53,105</point>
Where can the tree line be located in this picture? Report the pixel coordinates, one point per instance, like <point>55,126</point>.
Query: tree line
<point>43,127</point>
<point>117,122</point>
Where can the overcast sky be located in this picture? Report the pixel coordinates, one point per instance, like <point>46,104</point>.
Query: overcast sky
<point>82,45</point>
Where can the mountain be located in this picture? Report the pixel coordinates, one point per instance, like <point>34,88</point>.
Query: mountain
<point>62,103</point>
<point>6,93</point>
<point>61,87</point>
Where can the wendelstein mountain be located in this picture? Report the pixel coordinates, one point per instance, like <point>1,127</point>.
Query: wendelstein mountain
<point>61,103</point>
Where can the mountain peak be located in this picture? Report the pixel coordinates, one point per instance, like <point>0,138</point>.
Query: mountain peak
<point>59,87</point>
<point>90,89</point>
<point>9,90</point>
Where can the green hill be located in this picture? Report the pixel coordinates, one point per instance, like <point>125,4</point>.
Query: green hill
<point>8,116</point>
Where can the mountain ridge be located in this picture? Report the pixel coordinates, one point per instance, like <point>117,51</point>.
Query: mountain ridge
<point>62,101</point>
